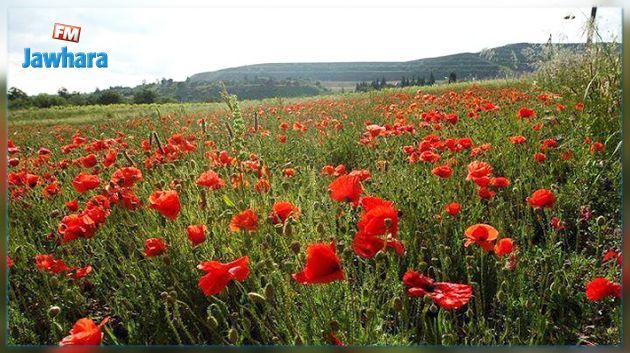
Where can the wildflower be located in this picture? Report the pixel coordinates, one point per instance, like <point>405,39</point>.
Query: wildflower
<point>600,288</point>
<point>85,182</point>
<point>346,188</point>
<point>219,274</point>
<point>518,140</point>
<point>210,179</point>
<point>504,247</point>
<point>196,233</point>
<point>262,185</point>
<point>482,234</point>
<point>449,296</point>
<point>126,177</point>
<point>539,157</point>
<point>378,228</point>
<point>557,224</point>
<point>75,226</point>
<point>477,169</point>
<point>526,113</point>
<point>322,265</point>
<point>154,247</point>
<point>85,332</point>
<point>429,156</point>
<point>542,198</point>
<point>283,210</point>
<point>453,208</point>
<point>50,264</point>
<point>289,172</point>
<point>443,171</point>
<point>246,220</point>
<point>166,203</point>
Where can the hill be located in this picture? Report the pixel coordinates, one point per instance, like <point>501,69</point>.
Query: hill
<point>489,63</point>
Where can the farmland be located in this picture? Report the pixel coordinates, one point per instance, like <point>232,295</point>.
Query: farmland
<point>473,214</point>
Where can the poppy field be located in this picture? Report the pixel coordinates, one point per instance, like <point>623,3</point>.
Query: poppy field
<point>466,214</point>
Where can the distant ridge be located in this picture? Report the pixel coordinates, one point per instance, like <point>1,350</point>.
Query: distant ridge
<point>490,63</point>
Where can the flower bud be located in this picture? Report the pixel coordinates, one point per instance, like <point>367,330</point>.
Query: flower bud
<point>54,311</point>
<point>295,247</point>
<point>213,322</point>
<point>269,292</point>
<point>601,220</point>
<point>334,325</point>
<point>232,336</point>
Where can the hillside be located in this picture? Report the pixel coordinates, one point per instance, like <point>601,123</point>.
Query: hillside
<point>489,63</point>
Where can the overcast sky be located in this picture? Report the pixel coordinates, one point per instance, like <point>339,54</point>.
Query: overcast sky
<point>149,44</point>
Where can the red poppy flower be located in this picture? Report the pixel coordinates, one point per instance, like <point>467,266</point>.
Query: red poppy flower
<point>51,189</point>
<point>378,228</point>
<point>443,171</point>
<point>262,186</point>
<point>363,174</point>
<point>579,106</point>
<point>85,182</point>
<point>500,182</point>
<point>154,247</point>
<point>282,210</point>
<point>449,296</point>
<point>542,198</point>
<point>346,188</point>
<point>50,264</point>
<point>539,157</point>
<point>429,156</point>
<point>526,113</point>
<point>218,274</point>
<point>453,208</point>
<point>482,234</point>
<point>600,288</point>
<point>197,233</point>
<point>328,170</point>
<point>210,179</point>
<point>322,265</point>
<point>72,205</point>
<point>597,147</point>
<point>81,272</point>
<point>518,140</point>
<point>75,226</point>
<point>166,203</point>
<point>504,247</point>
<point>557,224</point>
<point>130,200</point>
<point>289,172</point>
<point>88,161</point>
<point>126,177</point>
<point>85,332</point>
<point>246,220</point>
<point>477,169</point>
<point>612,255</point>
<point>486,193</point>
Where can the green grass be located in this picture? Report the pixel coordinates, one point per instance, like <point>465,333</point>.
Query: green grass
<point>153,301</point>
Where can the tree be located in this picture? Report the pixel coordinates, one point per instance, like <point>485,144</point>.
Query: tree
<point>16,93</point>
<point>431,79</point>
<point>145,96</point>
<point>452,78</point>
<point>109,97</point>
<point>63,93</point>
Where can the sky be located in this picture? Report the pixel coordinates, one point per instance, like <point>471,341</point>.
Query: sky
<point>150,44</point>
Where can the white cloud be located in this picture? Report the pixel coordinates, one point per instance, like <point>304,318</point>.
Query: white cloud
<point>148,44</point>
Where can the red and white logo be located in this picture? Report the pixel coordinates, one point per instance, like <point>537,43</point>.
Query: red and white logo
<point>65,32</point>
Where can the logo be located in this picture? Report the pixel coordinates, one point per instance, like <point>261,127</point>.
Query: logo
<point>64,58</point>
<point>68,33</point>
